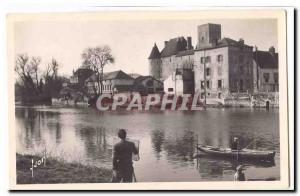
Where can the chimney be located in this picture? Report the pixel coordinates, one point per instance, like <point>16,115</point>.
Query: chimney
<point>166,42</point>
<point>272,50</point>
<point>189,43</point>
<point>241,41</point>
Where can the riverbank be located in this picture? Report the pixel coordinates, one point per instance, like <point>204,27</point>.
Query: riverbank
<point>58,172</point>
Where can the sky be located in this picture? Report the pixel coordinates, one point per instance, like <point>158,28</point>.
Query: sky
<point>131,41</point>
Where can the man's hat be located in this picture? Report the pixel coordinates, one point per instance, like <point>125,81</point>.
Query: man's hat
<point>235,138</point>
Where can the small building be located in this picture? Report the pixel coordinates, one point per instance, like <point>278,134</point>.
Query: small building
<point>80,75</point>
<point>180,82</point>
<point>266,67</point>
<point>147,85</point>
<point>113,82</point>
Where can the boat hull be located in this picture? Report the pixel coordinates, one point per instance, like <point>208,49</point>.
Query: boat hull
<point>237,154</point>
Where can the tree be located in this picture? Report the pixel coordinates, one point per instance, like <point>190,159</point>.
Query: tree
<point>34,63</point>
<point>96,58</point>
<point>27,69</point>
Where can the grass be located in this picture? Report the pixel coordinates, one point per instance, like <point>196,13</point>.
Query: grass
<point>56,172</point>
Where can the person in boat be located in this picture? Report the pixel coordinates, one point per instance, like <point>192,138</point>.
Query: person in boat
<point>235,144</point>
<point>239,174</point>
<point>122,159</point>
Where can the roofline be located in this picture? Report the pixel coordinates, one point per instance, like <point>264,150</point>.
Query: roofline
<point>214,47</point>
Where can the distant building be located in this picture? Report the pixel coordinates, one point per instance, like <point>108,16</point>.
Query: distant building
<point>113,82</point>
<point>134,75</point>
<point>266,67</point>
<point>79,76</point>
<point>147,85</point>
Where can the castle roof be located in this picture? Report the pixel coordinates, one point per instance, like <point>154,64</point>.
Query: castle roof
<point>173,46</point>
<point>155,54</point>
<point>225,42</point>
<point>185,53</point>
<point>266,59</point>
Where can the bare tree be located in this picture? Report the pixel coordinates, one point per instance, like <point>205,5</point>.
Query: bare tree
<point>96,58</point>
<point>27,71</point>
<point>34,63</point>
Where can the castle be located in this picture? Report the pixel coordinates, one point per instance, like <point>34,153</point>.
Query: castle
<point>215,68</point>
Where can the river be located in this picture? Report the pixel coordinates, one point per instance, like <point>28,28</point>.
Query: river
<point>167,139</point>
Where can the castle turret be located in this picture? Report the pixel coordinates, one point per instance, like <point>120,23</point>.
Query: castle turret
<point>155,63</point>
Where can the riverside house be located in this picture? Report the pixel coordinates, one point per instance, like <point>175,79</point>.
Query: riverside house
<point>113,82</point>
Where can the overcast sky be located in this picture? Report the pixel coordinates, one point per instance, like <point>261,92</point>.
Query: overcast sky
<point>131,41</point>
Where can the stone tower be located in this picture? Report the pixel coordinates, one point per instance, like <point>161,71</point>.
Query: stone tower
<point>155,63</point>
<point>208,35</point>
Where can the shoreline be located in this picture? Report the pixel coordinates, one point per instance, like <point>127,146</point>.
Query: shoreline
<point>58,172</point>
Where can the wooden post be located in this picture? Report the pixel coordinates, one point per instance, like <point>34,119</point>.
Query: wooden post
<point>45,157</point>
<point>197,151</point>
<point>31,168</point>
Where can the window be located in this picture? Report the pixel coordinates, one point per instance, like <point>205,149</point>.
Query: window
<point>202,60</point>
<point>220,58</point>
<point>206,59</point>
<point>276,78</point>
<point>266,77</point>
<point>219,83</point>
<point>219,95</point>
<point>202,84</point>
<point>207,71</point>
<point>170,60</point>
<point>207,84</point>
<point>170,89</point>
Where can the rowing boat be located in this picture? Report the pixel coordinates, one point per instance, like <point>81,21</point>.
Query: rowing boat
<point>241,154</point>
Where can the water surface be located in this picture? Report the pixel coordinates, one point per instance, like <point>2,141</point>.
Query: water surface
<point>167,139</point>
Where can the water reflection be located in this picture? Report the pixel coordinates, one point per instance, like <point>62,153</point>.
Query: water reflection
<point>180,147</point>
<point>158,138</point>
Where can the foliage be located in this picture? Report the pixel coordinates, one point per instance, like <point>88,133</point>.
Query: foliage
<point>35,86</point>
<point>96,58</point>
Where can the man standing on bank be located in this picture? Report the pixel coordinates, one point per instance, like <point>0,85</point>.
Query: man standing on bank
<point>122,159</point>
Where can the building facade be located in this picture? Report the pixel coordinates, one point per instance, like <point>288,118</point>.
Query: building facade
<point>220,65</point>
<point>266,67</point>
<point>113,82</point>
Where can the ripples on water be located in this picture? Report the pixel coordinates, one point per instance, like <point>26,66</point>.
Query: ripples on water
<point>167,139</point>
